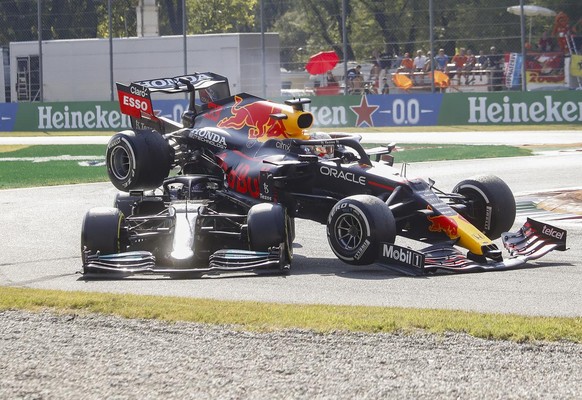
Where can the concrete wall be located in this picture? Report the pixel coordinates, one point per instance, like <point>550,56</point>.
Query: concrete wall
<point>78,70</point>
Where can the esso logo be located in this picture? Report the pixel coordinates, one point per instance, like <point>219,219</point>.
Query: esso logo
<point>135,103</point>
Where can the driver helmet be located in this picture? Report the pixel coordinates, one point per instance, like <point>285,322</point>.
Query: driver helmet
<point>321,150</point>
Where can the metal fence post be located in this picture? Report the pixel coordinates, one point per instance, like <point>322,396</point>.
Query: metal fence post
<point>39,23</point>
<point>110,50</point>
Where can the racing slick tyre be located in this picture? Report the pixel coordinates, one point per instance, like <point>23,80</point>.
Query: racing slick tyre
<point>269,225</point>
<point>357,225</point>
<point>490,204</point>
<point>138,159</point>
<point>101,231</point>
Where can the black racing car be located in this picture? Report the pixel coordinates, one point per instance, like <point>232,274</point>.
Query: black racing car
<point>219,191</point>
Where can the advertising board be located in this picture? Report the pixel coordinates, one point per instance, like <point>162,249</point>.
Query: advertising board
<point>500,108</point>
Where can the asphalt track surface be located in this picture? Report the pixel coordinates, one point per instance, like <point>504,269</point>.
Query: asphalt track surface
<point>40,248</point>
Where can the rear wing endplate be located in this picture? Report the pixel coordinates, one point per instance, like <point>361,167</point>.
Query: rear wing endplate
<point>135,99</point>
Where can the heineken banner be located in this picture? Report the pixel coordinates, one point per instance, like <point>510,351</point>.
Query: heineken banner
<point>517,108</point>
<point>500,108</point>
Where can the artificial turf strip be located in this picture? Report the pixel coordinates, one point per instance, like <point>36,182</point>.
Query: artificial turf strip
<point>256,316</point>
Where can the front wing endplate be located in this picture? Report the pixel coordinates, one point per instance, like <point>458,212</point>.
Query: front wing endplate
<point>533,240</point>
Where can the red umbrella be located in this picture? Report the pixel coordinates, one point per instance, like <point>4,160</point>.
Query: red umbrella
<point>321,62</point>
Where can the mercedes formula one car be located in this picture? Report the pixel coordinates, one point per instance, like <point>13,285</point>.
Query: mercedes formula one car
<point>220,191</point>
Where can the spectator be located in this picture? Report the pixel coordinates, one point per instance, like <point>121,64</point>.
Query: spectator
<point>355,80</point>
<point>459,60</point>
<point>545,43</point>
<point>493,60</point>
<point>384,60</point>
<point>331,81</point>
<point>354,72</point>
<point>418,66</point>
<point>419,61</point>
<point>468,67</point>
<point>375,76</point>
<point>396,60</point>
<point>471,61</point>
<point>482,59</point>
<point>385,86</point>
<point>429,64</point>
<point>494,63</point>
<point>441,61</point>
<point>407,64</point>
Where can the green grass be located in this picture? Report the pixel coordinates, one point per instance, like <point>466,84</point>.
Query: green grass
<point>16,174</point>
<point>437,152</point>
<point>258,316</point>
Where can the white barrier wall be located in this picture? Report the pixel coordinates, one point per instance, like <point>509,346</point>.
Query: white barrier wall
<point>78,70</point>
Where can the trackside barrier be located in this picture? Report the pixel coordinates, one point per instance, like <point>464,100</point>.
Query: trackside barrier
<point>504,108</point>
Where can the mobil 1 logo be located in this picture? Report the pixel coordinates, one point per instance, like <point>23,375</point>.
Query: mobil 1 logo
<point>392,254</point>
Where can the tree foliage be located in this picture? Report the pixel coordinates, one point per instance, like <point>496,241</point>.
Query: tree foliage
<point>304,26</point>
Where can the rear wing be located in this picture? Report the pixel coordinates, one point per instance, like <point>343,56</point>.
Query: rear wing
<point>188,83</point>
<point>135,99</point>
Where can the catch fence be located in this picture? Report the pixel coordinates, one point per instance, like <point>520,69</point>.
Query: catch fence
<point>476,45</point>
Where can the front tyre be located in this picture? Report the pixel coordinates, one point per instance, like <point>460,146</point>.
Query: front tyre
<point>357,225</point>
<point>268,225</point>
<point>490,204</point>
<point>102,231</point>
<point>138,159</point>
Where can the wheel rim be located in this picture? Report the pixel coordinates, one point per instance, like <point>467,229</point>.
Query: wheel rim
<point>120,163</point>
<point>349,232</point>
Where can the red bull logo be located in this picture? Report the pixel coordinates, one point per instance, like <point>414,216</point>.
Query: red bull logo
<point>257,117</point>
<point>447,225</point>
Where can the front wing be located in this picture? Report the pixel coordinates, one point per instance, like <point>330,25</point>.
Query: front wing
<point>534,240</point>
<point>144,262</point>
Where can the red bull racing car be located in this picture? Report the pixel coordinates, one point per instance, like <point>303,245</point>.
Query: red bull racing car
<point>220,191</point>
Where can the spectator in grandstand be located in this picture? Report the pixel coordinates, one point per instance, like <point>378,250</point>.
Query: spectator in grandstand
<point>385,86</point>
<point>418,66</point>
<point>355,80</point>
<point>494,63</point>
<point>375,76</point>
<point>419,61</point>
<point>481,59</point>
<point>459,60</point>
<point>545,43</point>
<point>471,61</point>
<point>429,64</point>
<point>384,61</point>
<point>469,65</point>
<point>407,64</point>
<point>331,81</point>
<point>441,61</point>
<point>354,72</point>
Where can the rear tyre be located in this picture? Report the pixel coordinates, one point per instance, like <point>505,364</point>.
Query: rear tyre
<point>101,231</point>
<point>490,204</point>
<point>138,160</point>
<point>357,225</point>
